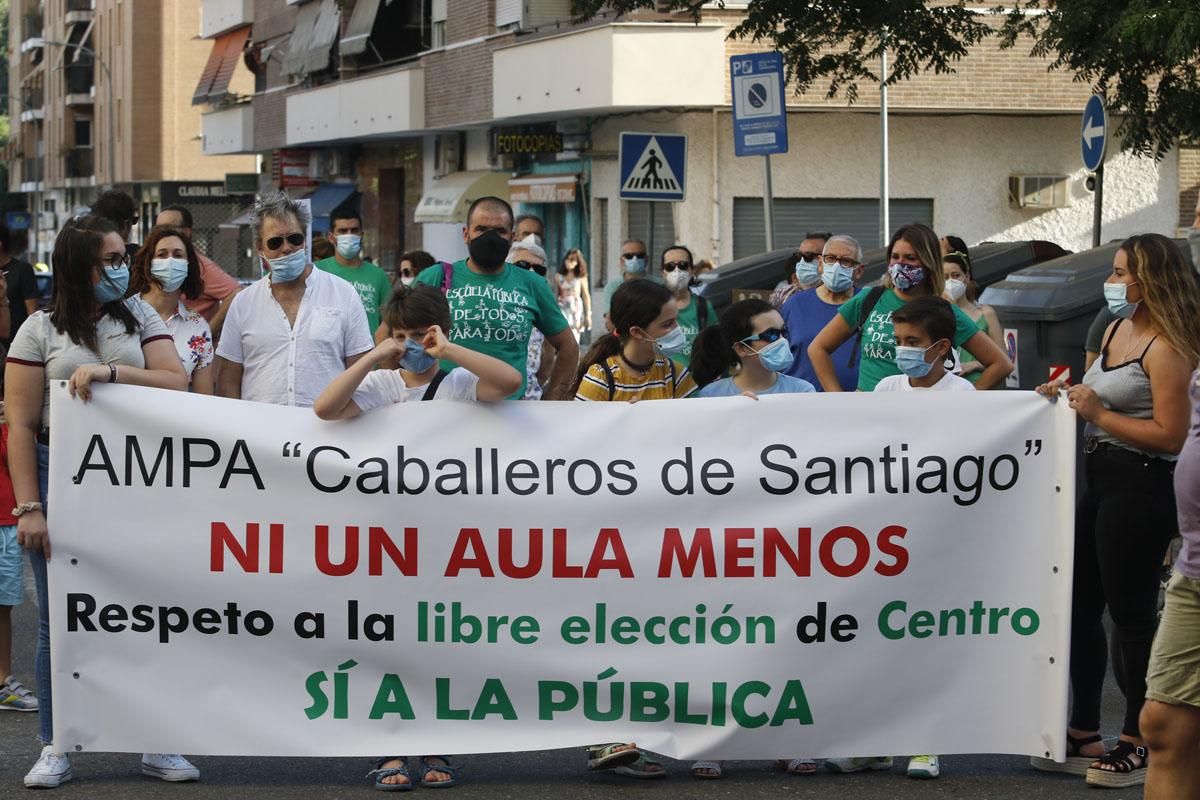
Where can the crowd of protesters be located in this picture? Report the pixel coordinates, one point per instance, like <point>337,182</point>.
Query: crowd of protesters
<point>336,334</point>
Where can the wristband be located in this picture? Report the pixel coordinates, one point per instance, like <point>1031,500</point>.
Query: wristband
<point>112,373</point>
<point>25,508</point>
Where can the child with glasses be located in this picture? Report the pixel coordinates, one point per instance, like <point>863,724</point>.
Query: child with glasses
<point>745,354</point>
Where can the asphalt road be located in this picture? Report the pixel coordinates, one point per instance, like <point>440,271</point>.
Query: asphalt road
<point>518,776</point>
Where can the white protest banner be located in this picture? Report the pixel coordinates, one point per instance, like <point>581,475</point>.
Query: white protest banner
<point>828,575</point>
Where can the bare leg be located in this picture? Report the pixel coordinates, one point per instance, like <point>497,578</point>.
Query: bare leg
<point>1173,734</point>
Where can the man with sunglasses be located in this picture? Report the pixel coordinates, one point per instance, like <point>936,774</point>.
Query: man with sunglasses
<point>805,273</point>
<point>633,264</point>
<point>806,313</point>
<point>291,333</point>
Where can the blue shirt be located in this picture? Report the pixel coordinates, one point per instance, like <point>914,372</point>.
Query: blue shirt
<point>785,385</point>
<point>805,314</point>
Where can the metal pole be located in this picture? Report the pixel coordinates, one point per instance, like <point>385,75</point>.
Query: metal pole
<point>885,226</point>
<point>112,139</point>
<point>768,204</point>
<point>1098,206</point>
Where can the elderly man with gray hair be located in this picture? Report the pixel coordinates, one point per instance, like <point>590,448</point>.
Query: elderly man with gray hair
<point>528,254</point>
<point>806,312</point>
<point>291,333</point>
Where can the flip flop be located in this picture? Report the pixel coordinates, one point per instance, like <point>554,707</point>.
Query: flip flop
<point>799,766</point>
<point>706,770</point>
<point>381,772</point>
<point>448,768</point>
<point>640,768</point>
<point>605,756</point>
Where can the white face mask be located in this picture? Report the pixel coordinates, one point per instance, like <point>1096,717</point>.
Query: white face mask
<point>676,280</point>
<point>955,289</point>
<point>169,272</point>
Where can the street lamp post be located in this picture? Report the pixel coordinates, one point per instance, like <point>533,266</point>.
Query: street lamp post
<point>112,139</point>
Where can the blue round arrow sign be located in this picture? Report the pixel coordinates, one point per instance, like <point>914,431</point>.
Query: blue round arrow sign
<point>1094,134</point>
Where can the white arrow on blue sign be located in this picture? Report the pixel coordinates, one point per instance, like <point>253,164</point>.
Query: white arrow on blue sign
<point>1094,134</point>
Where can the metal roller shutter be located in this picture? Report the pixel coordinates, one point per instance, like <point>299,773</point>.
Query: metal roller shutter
<point>796,216</point>
<point>663,234</point>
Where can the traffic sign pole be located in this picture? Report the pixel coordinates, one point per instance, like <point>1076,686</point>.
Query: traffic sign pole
<point>1094,141</point>
<point>768,204</point>
<point>1098,209</point>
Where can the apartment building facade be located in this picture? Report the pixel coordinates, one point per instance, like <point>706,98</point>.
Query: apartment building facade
<point>102,90</point>
<point>412,109</point>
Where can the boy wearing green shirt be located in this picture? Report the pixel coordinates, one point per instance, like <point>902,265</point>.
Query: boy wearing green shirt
<point>371,283</point>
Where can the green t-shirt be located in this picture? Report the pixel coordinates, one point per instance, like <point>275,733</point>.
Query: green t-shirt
<point>877,360</point>
<point>371,283</point>
<point>496,314</point>
<point>689,323</point>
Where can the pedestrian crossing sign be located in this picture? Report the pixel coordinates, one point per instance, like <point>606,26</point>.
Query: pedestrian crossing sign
<point>652,166</point>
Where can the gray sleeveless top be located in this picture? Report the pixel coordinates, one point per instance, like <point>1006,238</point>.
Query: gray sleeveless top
<point>1124,388</point>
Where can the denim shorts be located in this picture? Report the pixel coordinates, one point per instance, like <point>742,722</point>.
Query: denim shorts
<point>12,564</point>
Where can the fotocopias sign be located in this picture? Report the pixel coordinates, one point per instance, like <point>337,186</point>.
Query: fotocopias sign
<point>822,574</point>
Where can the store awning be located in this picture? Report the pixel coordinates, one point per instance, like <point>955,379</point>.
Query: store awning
<point>312,37</point>
<point>543,188</point>
<point>451,196</point>
<point>326,199</point>
<point>222,61</point>
<point>358,31</point>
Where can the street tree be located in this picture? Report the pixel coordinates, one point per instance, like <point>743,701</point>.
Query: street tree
<point>1144,55</point>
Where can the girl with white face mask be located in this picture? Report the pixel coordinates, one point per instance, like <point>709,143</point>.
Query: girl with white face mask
<point>695,313</point>
<point>962,292</point>
<point>166,270</point>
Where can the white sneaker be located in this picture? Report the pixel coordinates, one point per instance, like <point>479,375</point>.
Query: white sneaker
<point>50,770</point>
<point>858,764</point>
<point>169,767</point>
<point>924,767</point>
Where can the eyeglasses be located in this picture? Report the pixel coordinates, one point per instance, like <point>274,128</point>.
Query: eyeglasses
<point>630,256</point>
<point>540,269</point>
<point>294,239</point>
<point>847,262</point>
<point>806,255</point>
<point>671,266</point>
<point>406,273</point>
<point>768,336</point>
<point>115,261</point>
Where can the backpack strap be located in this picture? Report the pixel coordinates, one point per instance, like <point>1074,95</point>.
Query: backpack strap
<point>447,276</point>
<point>864,314</point>
<point>701,313</point>
<point>671,362</point>
<point>608,376</point>
<point>432,388</point>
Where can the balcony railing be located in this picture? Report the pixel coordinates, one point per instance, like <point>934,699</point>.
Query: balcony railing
<point>31,170</point>
<point>79,5</point>
<point>80,79</point>
<point>80,163</point>
<point>32,98</point>
<point>33,25</point>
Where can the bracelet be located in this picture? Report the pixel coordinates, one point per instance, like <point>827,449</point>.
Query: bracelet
<point>112,373</point>
<point>25,508</point>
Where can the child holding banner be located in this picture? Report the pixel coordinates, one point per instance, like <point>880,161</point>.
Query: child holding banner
<point>1134,399</point>
<point>634,363</point>
<point>13,696</point>
<point>750,342</point>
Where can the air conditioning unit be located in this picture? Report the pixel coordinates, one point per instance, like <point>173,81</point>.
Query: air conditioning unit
<point>1038,191</point>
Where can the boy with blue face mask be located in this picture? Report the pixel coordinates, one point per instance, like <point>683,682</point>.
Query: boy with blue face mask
<point>924,330</point>
<point>418,319</point>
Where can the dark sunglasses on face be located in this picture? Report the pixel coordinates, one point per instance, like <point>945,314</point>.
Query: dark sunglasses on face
<point>768,336</point>
<point>806,255</point>
<point>671,266</point>
<point>628,256</point>
<point>294,239</point>
<point>540,269</point>
<point>406,273</point>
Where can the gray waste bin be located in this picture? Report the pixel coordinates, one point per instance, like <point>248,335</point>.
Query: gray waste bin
<point>1046,310</point>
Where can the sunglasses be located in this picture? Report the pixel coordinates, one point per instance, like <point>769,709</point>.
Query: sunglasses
<point>671,266</point>
<point>629,256</point>
<point>768,336</point>
<point>540,269</point>
<point>406,273</point>
<point>806,255</point>
<point>294,239</point>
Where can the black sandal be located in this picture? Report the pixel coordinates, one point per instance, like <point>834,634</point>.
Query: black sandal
<point>1119,769</point>
<point>1076,763</point>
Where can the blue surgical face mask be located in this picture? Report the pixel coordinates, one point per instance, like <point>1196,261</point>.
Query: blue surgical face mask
<point>113,284</point>
<point>807,272</point>
<point>635,265</point>
<point>169,272</point>
<point>672,342</point>
<point>415,359</point>
<point>837,278</point>
<point>349,245</point>
<point>777,356</point>
<point>1115,296</point>
<point>911,360</point>
<point>287,268</point>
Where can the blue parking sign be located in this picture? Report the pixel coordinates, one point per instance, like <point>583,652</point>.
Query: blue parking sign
<point>759,111</point>
<point>653,166</point>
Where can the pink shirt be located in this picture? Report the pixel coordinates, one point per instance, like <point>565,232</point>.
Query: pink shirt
<point>217,286</point>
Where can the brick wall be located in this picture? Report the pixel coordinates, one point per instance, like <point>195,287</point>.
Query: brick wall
<point>272,19</point>
<point>458,84</point>
<point>469,19</point>
<point>1189,184</point>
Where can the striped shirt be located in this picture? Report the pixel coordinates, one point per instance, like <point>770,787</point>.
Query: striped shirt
<point>664,381</point>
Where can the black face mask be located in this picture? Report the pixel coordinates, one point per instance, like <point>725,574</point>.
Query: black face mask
<point>488,250</point>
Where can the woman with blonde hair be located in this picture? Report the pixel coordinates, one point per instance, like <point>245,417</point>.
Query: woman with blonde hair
<point>1134,399</point>
<point>574,299</point>
<point>914,270</point>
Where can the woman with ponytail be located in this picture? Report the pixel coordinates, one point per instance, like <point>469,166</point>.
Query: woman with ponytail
<point>745,354</point>
<point>634,361</point>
